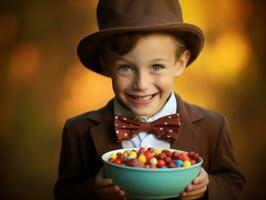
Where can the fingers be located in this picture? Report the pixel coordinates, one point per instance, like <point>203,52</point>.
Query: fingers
<point>194,194</point>
<point>104,183</point>
<point>198,187</point>
<point>113,191</point>
<point>105,188</point>
<point>100,181</point>
<point>191,197</point>
<point>203,175</point>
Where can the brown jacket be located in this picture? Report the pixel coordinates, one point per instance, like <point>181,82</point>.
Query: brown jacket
<point>87,136</point>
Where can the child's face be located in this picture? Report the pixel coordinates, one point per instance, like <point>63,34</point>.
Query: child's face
<point>143,78</point>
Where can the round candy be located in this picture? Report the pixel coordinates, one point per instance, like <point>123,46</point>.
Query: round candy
<point>179,163</point>
<point>113,155</point>
<point>161,156</point>
<point>142,150</point>
<point>125,158</point>
<point>171,165</point>
<point>168,159</point>
<point>186,163</point>
<point>118,161</point>
<point>157,151</point>
<point>132,154</point>
<point>153,161</point>
<point>142,158</point>
<point>193,162</point>
<point>166,152</point>
<point>148,155</point>
<point>184,157</point>
<point>119,155</point>
<point>175,155</point>
<point>160,163</point>
<point>134,163</point>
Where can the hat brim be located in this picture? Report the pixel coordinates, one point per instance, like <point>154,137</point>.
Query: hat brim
<point>89,46</point>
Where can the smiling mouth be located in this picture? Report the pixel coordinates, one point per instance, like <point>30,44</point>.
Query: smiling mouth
<point>142,99</point>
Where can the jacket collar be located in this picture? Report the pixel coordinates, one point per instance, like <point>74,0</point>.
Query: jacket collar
<point>105,139</point>
<point>190,132</point>
<point>188,111</point>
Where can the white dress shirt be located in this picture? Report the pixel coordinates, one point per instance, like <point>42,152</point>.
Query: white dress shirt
<point>146,139</point>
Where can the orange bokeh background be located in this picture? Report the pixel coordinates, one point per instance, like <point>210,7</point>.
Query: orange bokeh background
<point>43,84</point>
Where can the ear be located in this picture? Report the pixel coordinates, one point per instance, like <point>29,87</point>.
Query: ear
<point>181,63</point>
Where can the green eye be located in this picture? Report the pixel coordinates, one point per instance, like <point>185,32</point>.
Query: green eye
<point>125,68</point>
<point>157,67</point>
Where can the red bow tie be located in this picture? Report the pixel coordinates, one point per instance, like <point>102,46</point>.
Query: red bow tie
<point>166,127</point>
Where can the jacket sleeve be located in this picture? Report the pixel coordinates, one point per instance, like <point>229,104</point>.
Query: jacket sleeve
<point>78,166</point>
<point>225,179</point>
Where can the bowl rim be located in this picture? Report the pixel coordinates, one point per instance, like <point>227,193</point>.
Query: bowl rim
<point>105,156</point>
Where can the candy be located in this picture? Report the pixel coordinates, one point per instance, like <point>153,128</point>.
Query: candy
<point>193,162</point>
<point>172,165</point>
<point>113,155</point>
<point>186,163</point>
<point>142,158</point>
<point>118,161</point>
<point>142,150</point>
<point>166,152</point>
<point>132,154</point>
<point>193,155</point>
<point>184,157</point>
<point>134,163</point>
<point>157,151</point>
<point>148,155</point>
<point>161,156</point>
<point>179,163</point>
<point>168,159</point>
<point>153,161</point>
<point>160,163</point>
<point>175,155</point>
<point>154,158</point>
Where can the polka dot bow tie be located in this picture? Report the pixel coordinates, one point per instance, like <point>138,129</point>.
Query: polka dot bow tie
<point>166,128</point>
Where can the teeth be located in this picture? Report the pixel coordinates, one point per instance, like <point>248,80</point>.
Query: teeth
<point>144,98</point>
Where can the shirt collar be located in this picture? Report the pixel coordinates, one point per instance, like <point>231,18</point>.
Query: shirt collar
<point>170,107</point>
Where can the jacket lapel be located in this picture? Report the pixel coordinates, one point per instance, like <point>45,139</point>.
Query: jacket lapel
<point>189,133</point>
<point>103,133</point>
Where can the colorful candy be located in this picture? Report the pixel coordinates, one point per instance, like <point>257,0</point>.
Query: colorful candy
<point>154,158</point>
<point>187,163</point>
<point>142,158</point>
<point>153,161</point>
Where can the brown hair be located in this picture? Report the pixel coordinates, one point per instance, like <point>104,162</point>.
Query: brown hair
<point>122,44</point>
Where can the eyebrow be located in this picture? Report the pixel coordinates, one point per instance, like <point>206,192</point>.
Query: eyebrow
<point>122,59</point>
<point>153,60</point>
<point>158,59</point>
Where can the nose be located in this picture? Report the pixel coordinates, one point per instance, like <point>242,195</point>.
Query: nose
<point>141,81</point>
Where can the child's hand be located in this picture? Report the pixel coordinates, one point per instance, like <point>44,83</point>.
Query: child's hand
<point>198,187</point>
<point>105,188</point>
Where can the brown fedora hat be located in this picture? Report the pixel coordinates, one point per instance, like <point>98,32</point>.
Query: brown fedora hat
<point>122,16</point>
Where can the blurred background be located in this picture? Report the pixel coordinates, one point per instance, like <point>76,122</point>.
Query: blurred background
<point>42,84</point>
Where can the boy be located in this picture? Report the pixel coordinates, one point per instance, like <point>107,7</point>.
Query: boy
<point>142,46</point>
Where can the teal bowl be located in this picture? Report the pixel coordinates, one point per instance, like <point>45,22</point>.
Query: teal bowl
<point>145,183</point>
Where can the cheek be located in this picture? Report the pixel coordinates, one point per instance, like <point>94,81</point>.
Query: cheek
<point>165,82</point>
<point>120,84</point>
